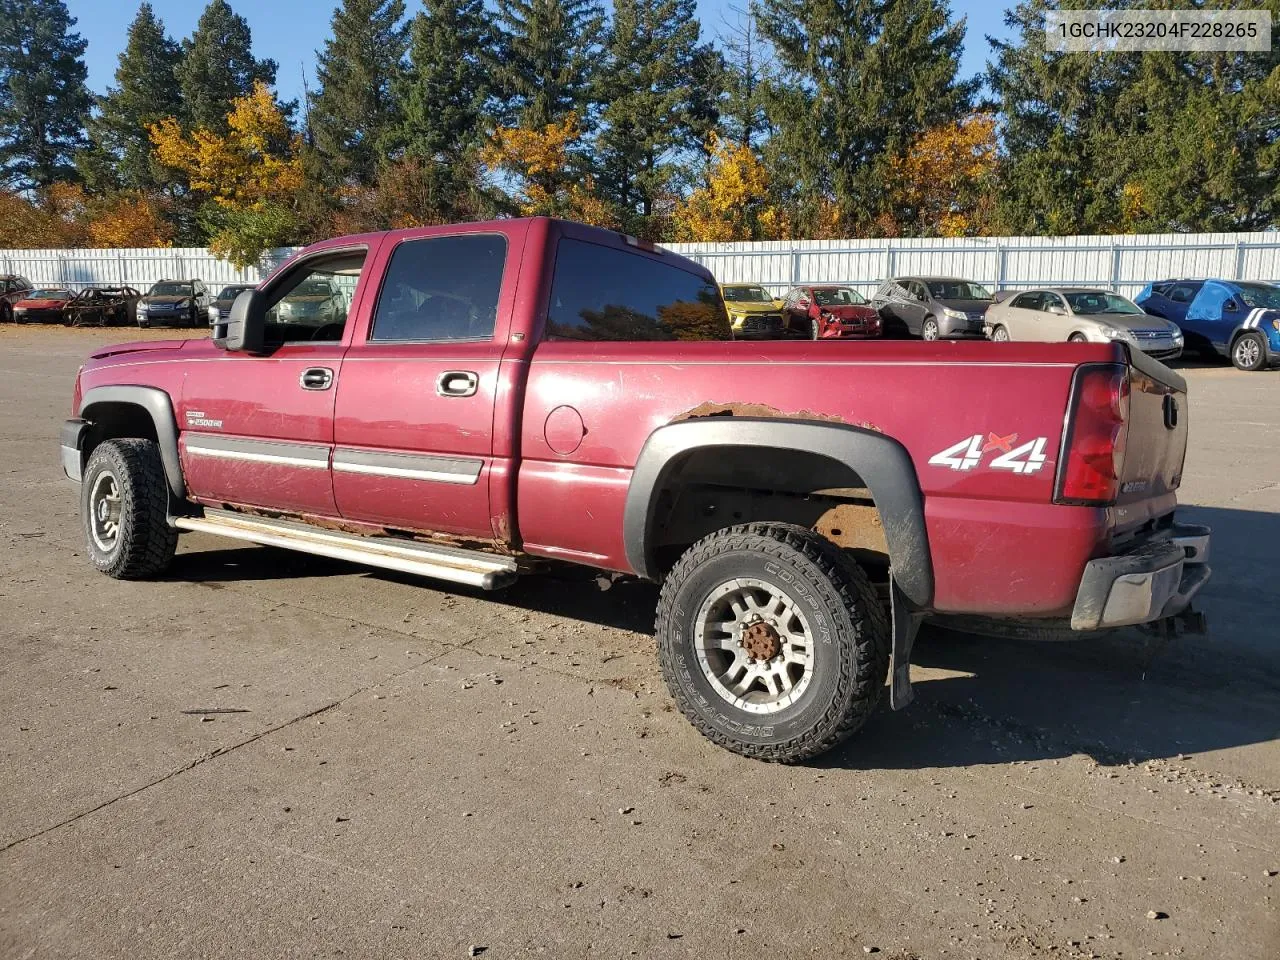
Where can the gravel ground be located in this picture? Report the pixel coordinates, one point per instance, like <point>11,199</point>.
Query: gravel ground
<point>270,755</point>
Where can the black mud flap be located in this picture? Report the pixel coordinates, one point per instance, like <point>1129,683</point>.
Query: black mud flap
<point>906,624</point>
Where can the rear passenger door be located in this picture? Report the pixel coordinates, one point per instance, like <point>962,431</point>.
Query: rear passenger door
<point>413,431</point>
<point>915,306</point>
<point>1023,314</point>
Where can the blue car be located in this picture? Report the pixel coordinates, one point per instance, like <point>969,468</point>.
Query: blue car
<point>1239,319</point>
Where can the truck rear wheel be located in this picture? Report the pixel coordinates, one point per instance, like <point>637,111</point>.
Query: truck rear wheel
<point>124,505</point>
<point>772,641</point>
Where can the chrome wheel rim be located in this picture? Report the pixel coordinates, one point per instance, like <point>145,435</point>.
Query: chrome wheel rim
<point>930,331</point>
<point>105,509</point>
<point>1247,352</point>
<point>1001,335</point>
<point>754,646</point>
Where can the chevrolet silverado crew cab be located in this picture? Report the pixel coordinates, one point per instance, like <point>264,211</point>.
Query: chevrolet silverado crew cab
<point>504,396</point>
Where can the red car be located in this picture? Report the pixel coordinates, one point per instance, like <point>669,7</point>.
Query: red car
<point>829,313</point>
<point>42,306</point>
<point>504,396</point>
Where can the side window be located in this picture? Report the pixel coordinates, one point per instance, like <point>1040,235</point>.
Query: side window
<point>1183,293</point>
<point>441,288</point>
<point>299,308</point>
<point>602,293</point>
<point>1026,301</point>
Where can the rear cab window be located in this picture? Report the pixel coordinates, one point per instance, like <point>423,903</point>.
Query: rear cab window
<point>600,293</point>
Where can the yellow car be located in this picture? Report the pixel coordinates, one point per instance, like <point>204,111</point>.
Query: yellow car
<point>753,313</point>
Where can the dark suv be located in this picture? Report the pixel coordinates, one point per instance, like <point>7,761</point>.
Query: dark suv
<point>932,307</point>
<point>175,303</point>
<point>12,289</point>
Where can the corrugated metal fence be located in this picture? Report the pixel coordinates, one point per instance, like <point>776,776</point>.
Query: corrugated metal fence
<point>1123,263</point>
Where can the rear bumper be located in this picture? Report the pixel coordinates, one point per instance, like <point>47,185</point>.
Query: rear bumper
<point>1155,580</point>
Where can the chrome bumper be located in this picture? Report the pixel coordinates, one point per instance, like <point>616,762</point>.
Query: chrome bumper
<point>1155,581</point>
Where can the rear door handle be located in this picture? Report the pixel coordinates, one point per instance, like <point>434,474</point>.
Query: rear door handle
<point>316,378</point>
<point>457,383</point>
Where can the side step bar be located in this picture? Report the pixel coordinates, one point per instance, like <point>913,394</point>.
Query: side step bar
<point>470,567</point>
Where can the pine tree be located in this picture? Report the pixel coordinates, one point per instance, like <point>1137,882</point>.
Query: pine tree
<point>1135,142</point>
<point>43,98</point>
<point>354,109</point>
<point>859,81</point>
<point>443,95</point>
<point>218,66</point>
<point>742,115</point>
<point>145,92</point>
<point>658,106</point>
<point>549,50</point>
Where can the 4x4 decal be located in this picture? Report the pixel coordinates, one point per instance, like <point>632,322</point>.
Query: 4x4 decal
<point>968,453</point>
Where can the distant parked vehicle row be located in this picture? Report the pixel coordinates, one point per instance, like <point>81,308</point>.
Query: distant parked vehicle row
<point>89,307</point>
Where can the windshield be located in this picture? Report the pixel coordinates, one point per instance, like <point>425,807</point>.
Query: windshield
<point>230,293</point>
<point>958,290</point>
<point>1097,301</point>
<point>747,295</point>
<point>837,296</point>
<point>1260,295</point>
<point>170,290</point>
<point>49,294</point>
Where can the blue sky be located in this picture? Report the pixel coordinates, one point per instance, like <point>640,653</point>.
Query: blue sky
<point>290,31</point>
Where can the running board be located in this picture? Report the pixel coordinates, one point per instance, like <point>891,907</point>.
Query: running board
<point>470,567</point>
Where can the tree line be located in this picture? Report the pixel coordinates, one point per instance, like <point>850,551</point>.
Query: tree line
<point>804,120</point>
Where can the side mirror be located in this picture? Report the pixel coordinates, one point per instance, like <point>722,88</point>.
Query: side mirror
<point>1058,311</point>
<point>242,331</point>
<point>1231,305</point>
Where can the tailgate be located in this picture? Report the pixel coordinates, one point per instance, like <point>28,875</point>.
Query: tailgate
<point>1156,442</point>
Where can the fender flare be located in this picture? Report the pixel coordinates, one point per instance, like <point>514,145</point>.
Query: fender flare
<point>882,462</point>
<point>159,407</point>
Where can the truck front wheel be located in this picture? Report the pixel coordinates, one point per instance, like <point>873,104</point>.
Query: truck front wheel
<point>124,504</point>
<point>772,641</point>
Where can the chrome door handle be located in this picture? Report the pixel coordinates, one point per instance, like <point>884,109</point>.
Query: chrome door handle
<point>457,383</point>
<point>316,378</point>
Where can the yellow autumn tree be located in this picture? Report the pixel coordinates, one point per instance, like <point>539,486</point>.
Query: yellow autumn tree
<point>129,220</point>
<point>535,169</point>
<point>250,176</point>
<point>734,203</point>
<point>945,183</point>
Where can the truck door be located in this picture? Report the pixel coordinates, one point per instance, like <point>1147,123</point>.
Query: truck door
<point>414,427</point>
<point>257,430</point>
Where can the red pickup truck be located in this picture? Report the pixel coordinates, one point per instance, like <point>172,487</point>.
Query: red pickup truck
<point>501,396</point>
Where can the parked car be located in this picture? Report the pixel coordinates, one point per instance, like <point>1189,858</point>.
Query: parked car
<point>42,306</point>
<point>101,307</point>
<point>934,308</point>
<point>460,426</point>
<point>181,303</point>
<point>1079,315</point>
<point>12,289</point>
<point>829,312</point>
<point>317,302</point>
<point>220,309</point>
<point>1238,319</point>
<point>753,312</point>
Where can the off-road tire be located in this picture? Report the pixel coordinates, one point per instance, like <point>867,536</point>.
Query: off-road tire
<point>850,661</point>
<point>1259,358</point>
<point>146,543</point>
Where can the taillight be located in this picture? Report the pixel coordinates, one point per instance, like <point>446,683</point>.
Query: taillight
<point>1093,448</point>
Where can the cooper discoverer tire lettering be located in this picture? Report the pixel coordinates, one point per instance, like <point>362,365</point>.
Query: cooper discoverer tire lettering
<point>124,503</point>
<point>772,641</point>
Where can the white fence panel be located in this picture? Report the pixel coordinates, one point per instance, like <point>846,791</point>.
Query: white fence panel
<point>1125,263</point>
